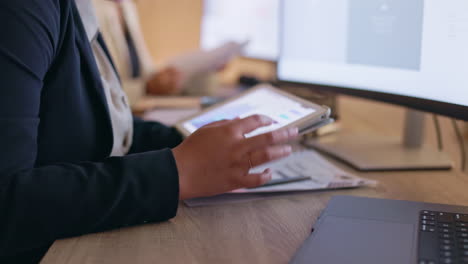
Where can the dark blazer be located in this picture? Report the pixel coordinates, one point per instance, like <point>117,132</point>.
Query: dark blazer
<point>56,177</point>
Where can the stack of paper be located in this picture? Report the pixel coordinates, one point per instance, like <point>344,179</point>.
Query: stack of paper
<point>323,176</point>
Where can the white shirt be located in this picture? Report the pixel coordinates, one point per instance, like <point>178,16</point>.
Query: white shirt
<point>117,101</point>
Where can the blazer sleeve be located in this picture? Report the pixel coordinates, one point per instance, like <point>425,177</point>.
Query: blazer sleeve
<point>150,136</point>
<point>41,204</point>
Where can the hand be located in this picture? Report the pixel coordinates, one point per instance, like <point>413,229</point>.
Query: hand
<point>217,158</point>
<point>168,81</point>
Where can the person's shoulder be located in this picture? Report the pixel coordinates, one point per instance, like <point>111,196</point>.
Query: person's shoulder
<point>39,10</point>
<point>34,27</point>
<point>36,13</point>
<point>19,4</point>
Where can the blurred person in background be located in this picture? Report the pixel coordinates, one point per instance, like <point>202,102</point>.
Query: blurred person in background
<point>120,26</point>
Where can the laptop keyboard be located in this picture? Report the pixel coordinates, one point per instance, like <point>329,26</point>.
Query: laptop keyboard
<point>443,238</point>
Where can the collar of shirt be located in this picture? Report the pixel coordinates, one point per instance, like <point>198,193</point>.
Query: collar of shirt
<point>117,102</point>
<point>88,16</point>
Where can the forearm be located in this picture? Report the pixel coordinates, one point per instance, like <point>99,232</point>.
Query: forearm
<point>58,201</point>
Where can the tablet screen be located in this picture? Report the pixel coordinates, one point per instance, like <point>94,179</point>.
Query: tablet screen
<point>278,107</point>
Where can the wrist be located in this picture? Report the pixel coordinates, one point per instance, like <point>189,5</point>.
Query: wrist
<point>184,185</point>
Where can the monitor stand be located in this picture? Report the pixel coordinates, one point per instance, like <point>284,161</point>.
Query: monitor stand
<point>367,153</point>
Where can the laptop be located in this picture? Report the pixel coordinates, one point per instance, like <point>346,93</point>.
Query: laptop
<point>356,230</point>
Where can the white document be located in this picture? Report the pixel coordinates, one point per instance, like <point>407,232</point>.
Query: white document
<point>323,176</point>
<point>202,62</point>
<point>322,173</point>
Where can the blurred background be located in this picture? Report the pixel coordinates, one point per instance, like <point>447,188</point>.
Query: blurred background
<point>173,27</point>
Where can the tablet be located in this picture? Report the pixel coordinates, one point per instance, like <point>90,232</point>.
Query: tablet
<point>286,109</point>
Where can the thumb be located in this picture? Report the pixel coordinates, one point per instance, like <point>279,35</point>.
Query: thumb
<point>256,180</point>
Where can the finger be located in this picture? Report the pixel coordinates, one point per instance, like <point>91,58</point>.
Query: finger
<point>176,75</point>
<point>218,123</point>
<point>260,157</point>
<point>255,180</point>
<point>170,70</point>
<point>269,139</point>
<point>252,123</point>
<point>221,68</point>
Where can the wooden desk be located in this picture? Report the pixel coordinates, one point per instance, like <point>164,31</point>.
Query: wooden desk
<point>268,231</point>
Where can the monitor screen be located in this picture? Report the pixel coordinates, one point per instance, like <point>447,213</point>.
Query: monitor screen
<point>416,49</point>
<point>255,21</point>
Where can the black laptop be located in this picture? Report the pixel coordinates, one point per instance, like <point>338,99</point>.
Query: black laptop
<point>356,230</point>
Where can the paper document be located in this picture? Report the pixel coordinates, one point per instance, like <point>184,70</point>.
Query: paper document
<point>322,173</point>
<point>323,176</point>
<point>201,62</point>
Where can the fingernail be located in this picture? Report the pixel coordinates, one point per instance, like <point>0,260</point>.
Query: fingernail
<point>267,120</point>
<point>293,131</point>
<point>266,177</point>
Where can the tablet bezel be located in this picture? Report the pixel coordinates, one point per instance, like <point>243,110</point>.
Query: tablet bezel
<point>321,112</point>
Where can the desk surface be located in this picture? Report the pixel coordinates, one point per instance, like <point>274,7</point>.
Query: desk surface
<point>267,231</point>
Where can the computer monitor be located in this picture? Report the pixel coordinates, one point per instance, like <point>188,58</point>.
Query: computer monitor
<point>255,21</point>
<point>412,53</point>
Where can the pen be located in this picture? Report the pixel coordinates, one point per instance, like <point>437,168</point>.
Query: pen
<point>284,181</point>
